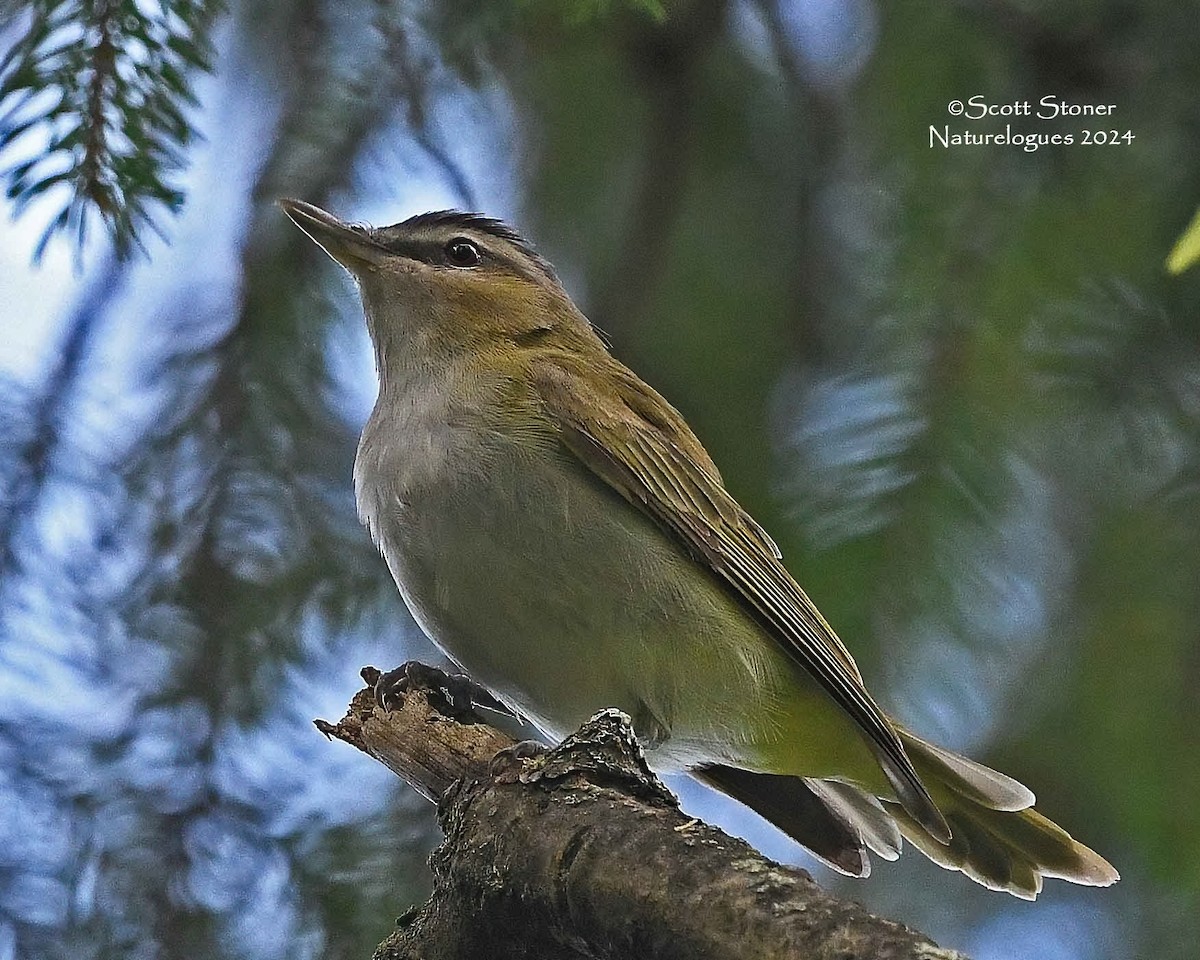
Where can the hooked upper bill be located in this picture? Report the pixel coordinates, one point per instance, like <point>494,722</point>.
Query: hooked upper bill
<point>348,245</point>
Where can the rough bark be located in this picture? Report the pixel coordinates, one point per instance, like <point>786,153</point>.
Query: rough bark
<point>581,852</point>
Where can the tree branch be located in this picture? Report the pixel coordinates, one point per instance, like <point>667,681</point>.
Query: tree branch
<point>583,852</point>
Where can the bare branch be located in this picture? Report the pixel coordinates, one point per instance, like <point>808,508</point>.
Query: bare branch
<point>583,852</point>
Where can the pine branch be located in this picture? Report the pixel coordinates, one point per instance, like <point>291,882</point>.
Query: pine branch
<point>94,99</point>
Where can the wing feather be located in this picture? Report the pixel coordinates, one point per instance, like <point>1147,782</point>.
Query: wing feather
<point>644,449</point>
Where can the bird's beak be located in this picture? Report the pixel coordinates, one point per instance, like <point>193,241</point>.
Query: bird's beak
<point>349,245</point>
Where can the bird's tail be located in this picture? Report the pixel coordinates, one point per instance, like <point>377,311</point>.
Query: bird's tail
<point>997,838</point>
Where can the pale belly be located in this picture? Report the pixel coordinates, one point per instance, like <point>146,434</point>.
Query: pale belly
<point>552,591</point>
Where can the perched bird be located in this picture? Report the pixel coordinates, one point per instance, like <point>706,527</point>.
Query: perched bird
<point>559,532</point>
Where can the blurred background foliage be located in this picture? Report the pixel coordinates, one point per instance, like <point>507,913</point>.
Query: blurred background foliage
<point>957,385</point>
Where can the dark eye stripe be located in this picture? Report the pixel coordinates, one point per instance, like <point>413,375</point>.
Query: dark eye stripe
<point>436,252</point>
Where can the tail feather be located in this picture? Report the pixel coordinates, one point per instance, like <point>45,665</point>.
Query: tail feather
<point>1008,850</point>
<point>996,837</point>
<point>875,826</point>
<point>795,808</point>
<point>966,777</point>
<point>1056,852</point>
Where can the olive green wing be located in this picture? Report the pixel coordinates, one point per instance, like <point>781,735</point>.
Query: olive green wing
<point>640,445</point>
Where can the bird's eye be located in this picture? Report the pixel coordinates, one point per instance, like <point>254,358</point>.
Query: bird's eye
<point>463,253</point>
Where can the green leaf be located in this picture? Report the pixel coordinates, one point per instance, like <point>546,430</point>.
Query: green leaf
<point>1187,248</point>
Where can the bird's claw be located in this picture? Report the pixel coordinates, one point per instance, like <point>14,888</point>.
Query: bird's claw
<point>456,693</point>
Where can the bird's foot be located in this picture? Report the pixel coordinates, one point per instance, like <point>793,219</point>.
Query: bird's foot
<point>454,694</point>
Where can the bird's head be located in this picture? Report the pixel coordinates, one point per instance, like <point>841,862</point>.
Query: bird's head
<point>446,281</point>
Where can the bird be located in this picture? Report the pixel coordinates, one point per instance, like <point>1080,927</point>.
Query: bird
<point>556,528</point>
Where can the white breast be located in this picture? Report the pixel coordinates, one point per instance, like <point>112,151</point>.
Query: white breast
<point>545,585</point>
